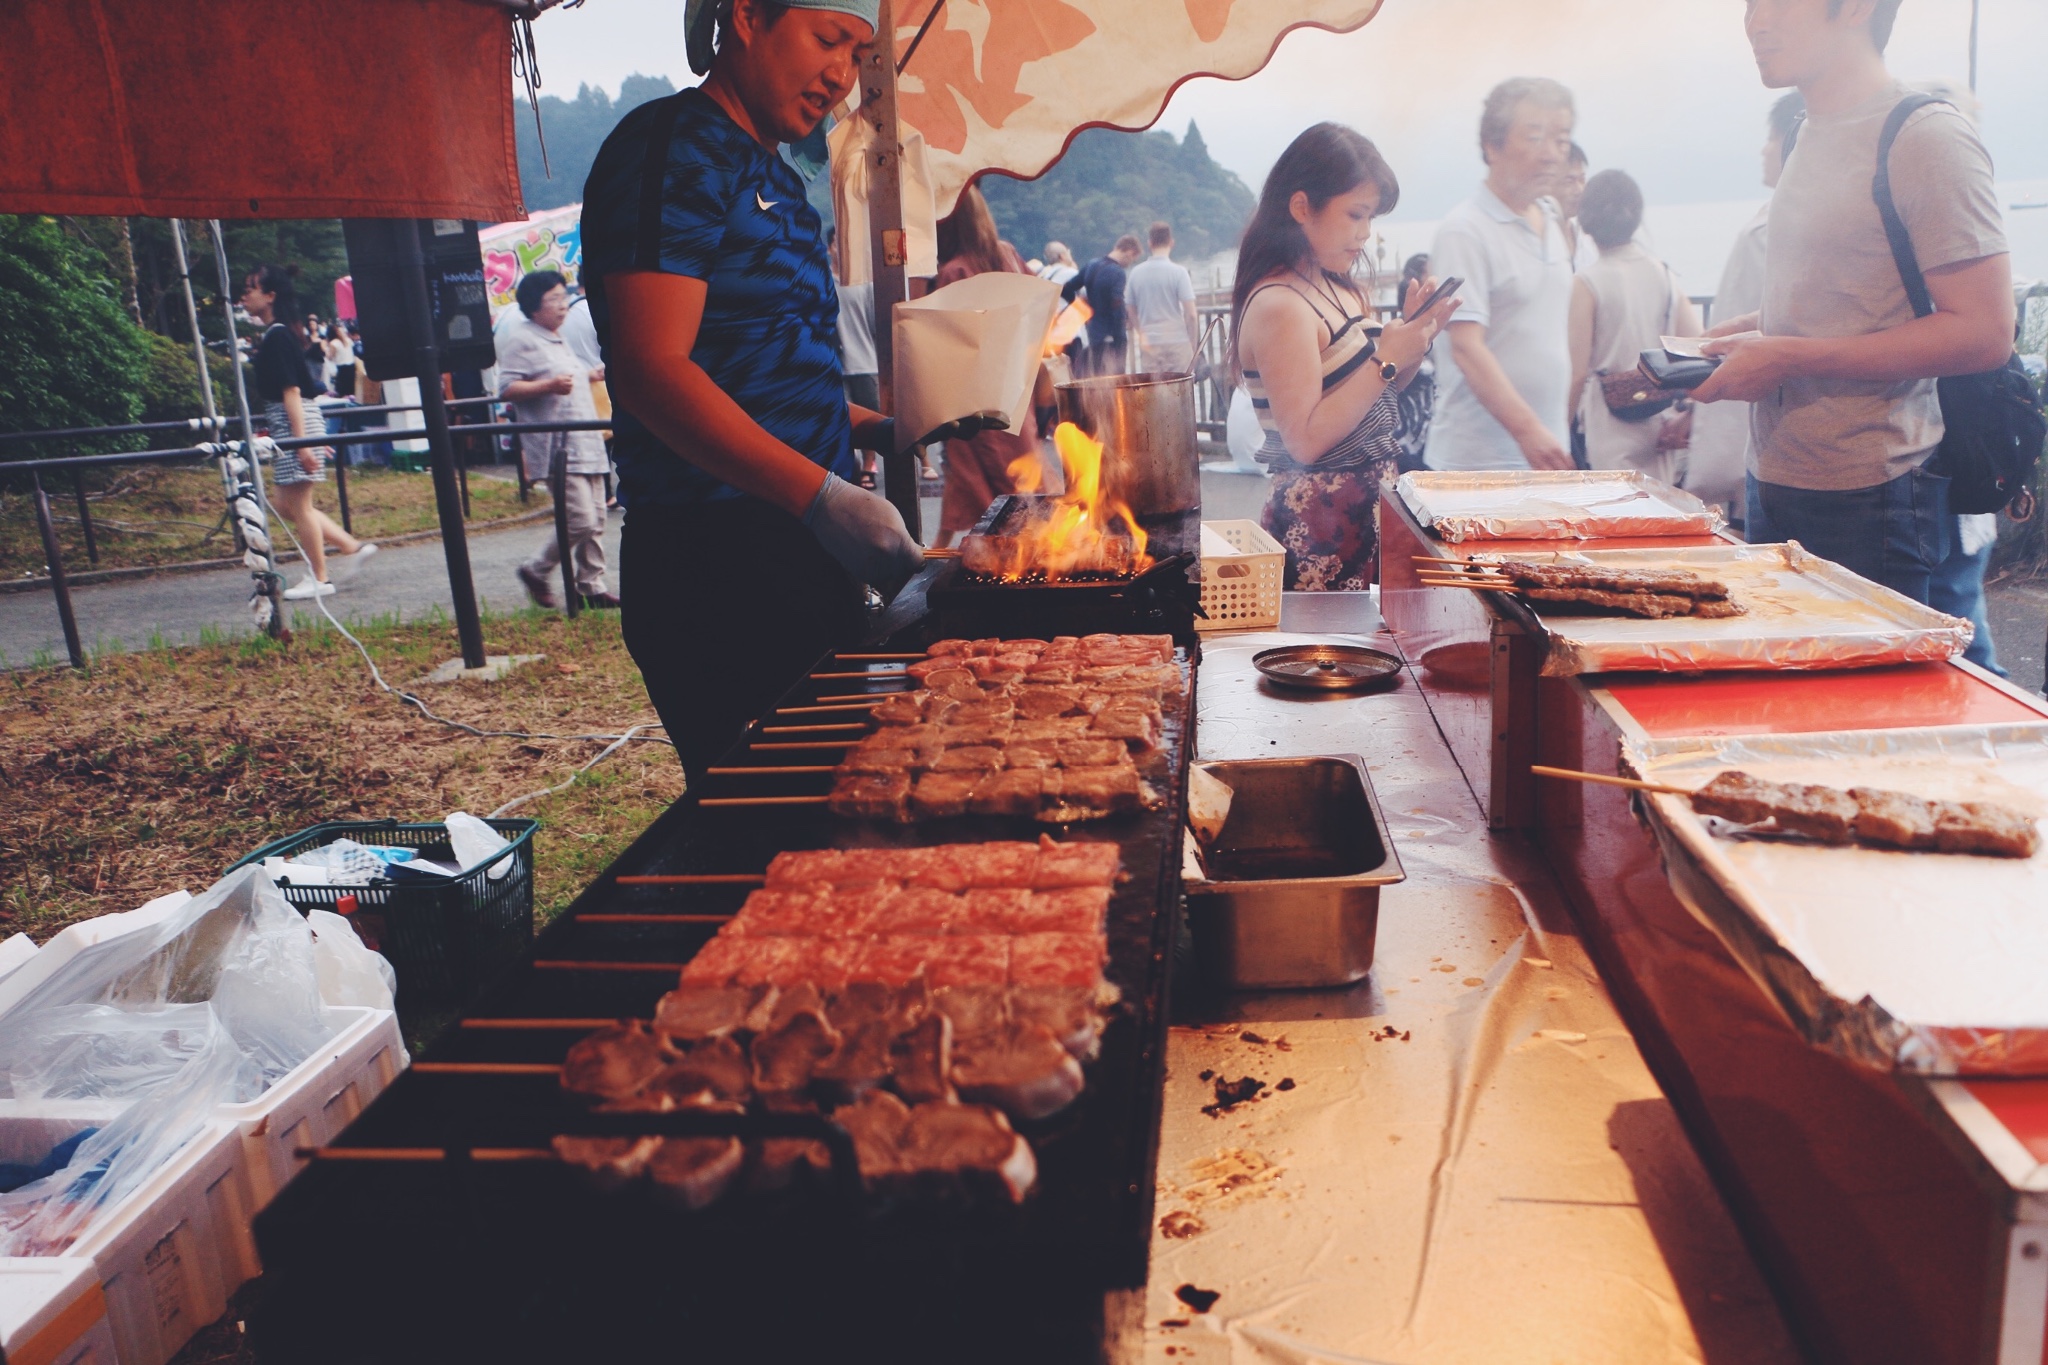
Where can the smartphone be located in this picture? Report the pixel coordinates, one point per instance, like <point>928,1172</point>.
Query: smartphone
<point>1443,291</point>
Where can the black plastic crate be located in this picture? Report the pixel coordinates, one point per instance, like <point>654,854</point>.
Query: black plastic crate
<point>443,938</point>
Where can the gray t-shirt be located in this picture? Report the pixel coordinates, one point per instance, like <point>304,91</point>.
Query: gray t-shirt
<point>1828,272</point>
<point>528,350</point>
<point>1157,292</point>
<point>1518,285</point>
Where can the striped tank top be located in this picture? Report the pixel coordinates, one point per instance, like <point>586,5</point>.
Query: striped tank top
<point>1350,346</point>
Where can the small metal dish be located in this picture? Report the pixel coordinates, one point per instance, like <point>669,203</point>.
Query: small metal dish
<point>1329,668</point>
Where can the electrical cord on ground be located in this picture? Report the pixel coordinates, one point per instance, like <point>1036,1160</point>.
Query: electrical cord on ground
<point>616,743</point>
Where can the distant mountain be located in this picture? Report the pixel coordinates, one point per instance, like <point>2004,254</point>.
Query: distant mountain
<point>1107,184</point>
<point>1110,183</point>
<point>575,130</point>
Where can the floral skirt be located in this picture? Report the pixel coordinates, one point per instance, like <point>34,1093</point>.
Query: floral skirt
<point>1327,522</point>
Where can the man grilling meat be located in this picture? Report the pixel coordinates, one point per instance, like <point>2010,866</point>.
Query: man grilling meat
<point>745,543</point>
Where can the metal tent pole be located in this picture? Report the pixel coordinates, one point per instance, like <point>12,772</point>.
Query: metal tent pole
<point>419,312</point>
<point>890,256</point>
<point>273,581</point>
<point>203,374</point>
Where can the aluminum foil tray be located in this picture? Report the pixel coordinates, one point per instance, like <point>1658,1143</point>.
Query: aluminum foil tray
<point>1552,505</point>
<point>1924,962</point>
<point>1803,612</point>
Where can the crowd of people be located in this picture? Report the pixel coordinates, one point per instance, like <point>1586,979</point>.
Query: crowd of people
<point>1822,421</point>
<point>1819,425</point>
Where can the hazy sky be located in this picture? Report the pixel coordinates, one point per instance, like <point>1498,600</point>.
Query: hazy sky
<point>1666,88</point>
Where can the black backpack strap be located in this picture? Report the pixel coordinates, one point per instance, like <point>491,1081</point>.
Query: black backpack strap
<point>1895,226</point>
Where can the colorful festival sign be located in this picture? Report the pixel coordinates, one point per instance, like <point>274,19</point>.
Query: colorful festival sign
<point>552,240</point>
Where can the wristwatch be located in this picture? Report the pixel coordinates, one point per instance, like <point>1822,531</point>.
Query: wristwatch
<point>1389,371</point>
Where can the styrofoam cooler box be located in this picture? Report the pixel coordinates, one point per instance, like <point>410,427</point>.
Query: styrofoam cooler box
<point>169,1254</point>
<point>315,1101</point>
<point>53,1312</point>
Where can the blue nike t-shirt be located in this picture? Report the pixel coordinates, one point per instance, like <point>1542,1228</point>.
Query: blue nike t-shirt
<point>679,187</point>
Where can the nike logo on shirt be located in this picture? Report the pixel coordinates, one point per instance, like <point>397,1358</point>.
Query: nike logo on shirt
<point>766,204</point>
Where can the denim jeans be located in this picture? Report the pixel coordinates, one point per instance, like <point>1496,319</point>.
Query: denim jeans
<point>1896,533</point>
<point>1957,588</point>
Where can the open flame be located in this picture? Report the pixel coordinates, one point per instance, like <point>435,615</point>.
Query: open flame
<point>1083,531</point>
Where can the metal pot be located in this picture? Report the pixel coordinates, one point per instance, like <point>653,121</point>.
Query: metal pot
<point>1146,423</point>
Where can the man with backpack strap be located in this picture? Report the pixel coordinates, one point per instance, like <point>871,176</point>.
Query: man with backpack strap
<point>1839,363</point>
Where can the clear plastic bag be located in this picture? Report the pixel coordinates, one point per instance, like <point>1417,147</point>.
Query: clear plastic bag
<point>43,1218</point>
<point>100,1052</point>
<point>239,949</point>
<point>474,841</point>
<point>350,973</point>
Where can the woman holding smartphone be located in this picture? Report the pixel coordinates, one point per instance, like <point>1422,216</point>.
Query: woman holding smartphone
<point>1323,378</point>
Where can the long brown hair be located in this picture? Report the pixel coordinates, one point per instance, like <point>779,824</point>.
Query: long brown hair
<point>968,234</point>
<point>1324,162</point>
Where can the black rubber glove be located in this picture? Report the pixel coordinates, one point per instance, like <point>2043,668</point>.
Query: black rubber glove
<point>960,429</point>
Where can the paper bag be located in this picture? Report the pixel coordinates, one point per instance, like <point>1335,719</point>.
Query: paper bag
<point>971,347</point>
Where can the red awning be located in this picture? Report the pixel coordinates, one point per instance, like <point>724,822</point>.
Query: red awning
<point>258,109</point>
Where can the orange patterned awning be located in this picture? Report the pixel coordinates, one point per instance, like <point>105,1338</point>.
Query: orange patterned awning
<point>258,109</point>
<point>1005,84</point>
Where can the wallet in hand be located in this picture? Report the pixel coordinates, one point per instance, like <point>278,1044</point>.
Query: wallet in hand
<point>1668,371</point>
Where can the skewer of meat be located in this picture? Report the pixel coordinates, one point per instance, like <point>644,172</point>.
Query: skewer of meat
<point>1868,815</point>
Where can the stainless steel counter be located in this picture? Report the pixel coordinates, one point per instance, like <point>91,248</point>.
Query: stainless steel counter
<point>1463,1157</point>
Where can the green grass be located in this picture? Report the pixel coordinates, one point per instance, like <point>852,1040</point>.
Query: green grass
<point>154,770</point>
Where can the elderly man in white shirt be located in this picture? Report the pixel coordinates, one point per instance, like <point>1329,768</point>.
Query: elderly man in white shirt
<point>544,379</point>
<point>1503,366</point>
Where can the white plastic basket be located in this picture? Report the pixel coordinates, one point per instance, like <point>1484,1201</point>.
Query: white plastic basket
<point>1241,590</point>
<point>53,1311</point>
<point>164,1254</point>
<point>312,1104</point>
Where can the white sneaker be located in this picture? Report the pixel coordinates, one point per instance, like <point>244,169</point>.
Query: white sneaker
<point>308,588</point>
<point>341,568</point>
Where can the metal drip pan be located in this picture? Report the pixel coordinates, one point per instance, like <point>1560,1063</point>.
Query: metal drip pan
<point>1329,668</point>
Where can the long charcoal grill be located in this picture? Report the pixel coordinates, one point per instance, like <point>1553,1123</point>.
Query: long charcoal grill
<point>1162,600</point>
<point>486,1256</point>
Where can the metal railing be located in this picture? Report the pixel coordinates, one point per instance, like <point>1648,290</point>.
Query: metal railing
<point>74,465</point>
<point>219,426</point>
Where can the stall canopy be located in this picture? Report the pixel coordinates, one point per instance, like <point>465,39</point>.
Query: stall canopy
<point>259,109</point>
<point>1005,84</point>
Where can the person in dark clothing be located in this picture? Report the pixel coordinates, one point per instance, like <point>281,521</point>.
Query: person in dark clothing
<point>287,388</point>
<point>1103,279</point>
<point>746,543</point>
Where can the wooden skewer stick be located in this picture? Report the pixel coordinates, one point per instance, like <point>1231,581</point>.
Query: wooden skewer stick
<point>527,1024</point>
<point>814,744</point>
<point>812,729</point>
<point>882,658</point>
<point>550,966</point>
<point>487,1068</point>
<point>757,772</point>
<point>891,673</point>
<point>863,705</point>
<point>763,801</point>
<point>652,919</point>
<point>694,879</point>
<point>420,1154</point>
<point>1573,775</point>
<point>875,698</point>
<point>940,552</point>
